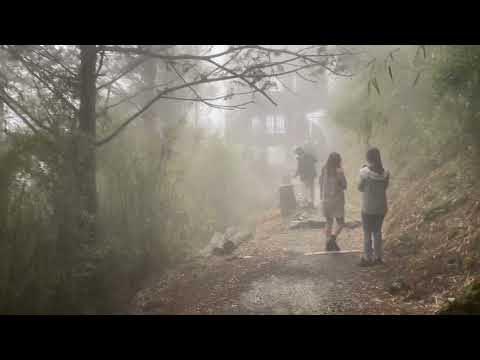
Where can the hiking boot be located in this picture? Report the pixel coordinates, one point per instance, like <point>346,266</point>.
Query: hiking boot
<point>365,263</point>
<point>335,246</point>
<point>378,262</point>
<point>330,245</point>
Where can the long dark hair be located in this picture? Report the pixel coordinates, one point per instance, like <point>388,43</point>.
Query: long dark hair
<point>333,162</point>
<point>375,160</point>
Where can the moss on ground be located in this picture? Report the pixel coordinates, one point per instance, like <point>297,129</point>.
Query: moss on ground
<point>466,304</point>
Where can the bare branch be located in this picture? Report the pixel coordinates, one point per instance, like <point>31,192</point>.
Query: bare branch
<point>50,118</point>
<point>306,79</point>
<point>128,68</point>
<point>286,87</point>
<point>244,76</point>
<point>102,56</point>
<point>307,58</point>
<point>233,57</point>
<point>11,103</point>
<point>151,102</point>
<point>284,72</point>
<point>130,97</point>
<point>46,83</point>
<point>198,97</point>
<point>53,73</point>
<point>223,107</point>
<point>173,57</point>
<point>246,80</point>
<point>54,58</point>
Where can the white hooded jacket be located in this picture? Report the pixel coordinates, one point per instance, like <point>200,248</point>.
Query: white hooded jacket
<point>373,185</point>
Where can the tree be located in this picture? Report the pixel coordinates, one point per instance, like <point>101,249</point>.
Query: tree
<point>64,96</point>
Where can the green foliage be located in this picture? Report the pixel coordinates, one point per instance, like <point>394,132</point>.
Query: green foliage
<point>468,303</point>
<point>160,201</point>
<point>220,184</point>
<point>27,241</point>
<point>457,88</point>
<point>417,129</point>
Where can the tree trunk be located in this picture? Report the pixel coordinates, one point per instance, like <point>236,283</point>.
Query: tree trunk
<point>2,120</point>
<point>149,75</point>
<point>86,161</point>
<point>161,115</point>
<point>75,201</point>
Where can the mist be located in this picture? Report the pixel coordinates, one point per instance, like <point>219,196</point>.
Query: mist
<point>129,171</point>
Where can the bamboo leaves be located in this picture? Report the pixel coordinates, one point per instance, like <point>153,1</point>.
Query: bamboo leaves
<point>375,85</point>
<point>424,51</point>
<point>390,72</point>
<point>373,82</point>
<point>417,78</point>
<point>423,48</point>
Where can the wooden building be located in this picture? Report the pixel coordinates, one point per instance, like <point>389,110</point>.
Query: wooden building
<point>263,125</point>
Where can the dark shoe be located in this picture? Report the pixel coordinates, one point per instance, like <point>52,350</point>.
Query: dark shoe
<point>378,262</point>
<point>335,246</point>
<point>365,263</point>
<point>330,245</point>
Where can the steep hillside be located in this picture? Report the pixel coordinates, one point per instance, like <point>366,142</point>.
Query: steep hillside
<point>432,232</point>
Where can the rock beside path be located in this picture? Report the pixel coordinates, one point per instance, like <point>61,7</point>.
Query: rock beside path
<point>225,244</point>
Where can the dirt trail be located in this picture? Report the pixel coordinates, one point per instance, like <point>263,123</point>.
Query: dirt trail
<point>271,274</point>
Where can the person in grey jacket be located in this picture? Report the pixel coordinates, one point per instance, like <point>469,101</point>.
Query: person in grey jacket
<point>374,180</point>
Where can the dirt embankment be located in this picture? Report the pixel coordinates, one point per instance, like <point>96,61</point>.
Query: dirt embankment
<point>432,233</point>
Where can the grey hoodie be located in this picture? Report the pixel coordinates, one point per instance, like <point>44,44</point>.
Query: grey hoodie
<point>373,186</point>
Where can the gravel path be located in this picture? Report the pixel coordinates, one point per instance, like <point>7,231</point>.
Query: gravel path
<point>271,274</point>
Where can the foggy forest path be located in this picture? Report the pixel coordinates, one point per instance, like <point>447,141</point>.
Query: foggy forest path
<point>273,273</point>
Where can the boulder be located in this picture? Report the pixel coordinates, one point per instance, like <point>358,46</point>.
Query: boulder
<point>231,231</point>
<point>216,242</point>
<point>225,244</point>
<point>227,248</point>
<point>240,237</point>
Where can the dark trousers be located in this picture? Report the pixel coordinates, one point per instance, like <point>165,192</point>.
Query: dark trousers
<point>372,232</point>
